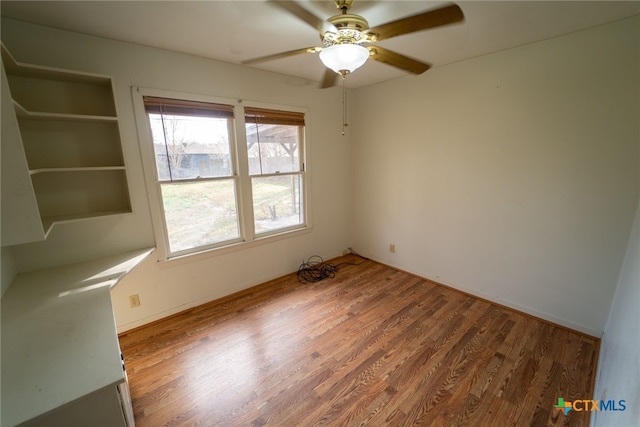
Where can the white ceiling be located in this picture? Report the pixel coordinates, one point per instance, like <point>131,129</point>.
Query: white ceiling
<point>233,31</point>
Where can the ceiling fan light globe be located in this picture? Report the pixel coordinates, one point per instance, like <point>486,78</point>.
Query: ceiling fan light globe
<point>343,58</point>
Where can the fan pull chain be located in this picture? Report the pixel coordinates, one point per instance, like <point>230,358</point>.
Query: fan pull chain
<point>344,103</point>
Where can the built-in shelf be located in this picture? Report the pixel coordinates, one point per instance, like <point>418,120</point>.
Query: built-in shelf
<point>67,131</point>
<point>23,113</point>
<point>80,169</point>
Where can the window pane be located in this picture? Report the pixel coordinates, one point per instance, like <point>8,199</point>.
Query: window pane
<point>188,147</point>
<point>276,202</point>
<point>272,148</point>
<point>200,213</point>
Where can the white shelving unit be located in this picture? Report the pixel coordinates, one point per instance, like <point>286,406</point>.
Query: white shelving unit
<point>68,133</point>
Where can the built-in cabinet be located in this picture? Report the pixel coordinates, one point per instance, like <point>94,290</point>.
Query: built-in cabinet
<point>67,134</point>
<point>61,360</point>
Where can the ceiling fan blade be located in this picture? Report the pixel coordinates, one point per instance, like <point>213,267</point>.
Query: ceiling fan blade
<point>301,13</point>
<point>422,21</point>
<point>282,55</point>
<point>395,59</point>
<point>329,79</point>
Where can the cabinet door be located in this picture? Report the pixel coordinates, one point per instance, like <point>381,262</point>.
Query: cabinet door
<point>21,221</point>
<point>102,408</point>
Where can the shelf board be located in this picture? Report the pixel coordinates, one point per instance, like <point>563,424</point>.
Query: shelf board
<point>43,72</point>
<point>23,113</point>
<point>77,169</point>
<point>49,221</point>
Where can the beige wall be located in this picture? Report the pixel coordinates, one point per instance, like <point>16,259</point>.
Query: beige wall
<point>513,176</point>
<point>8,269</point>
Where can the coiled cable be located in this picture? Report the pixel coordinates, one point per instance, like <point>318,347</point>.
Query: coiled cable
<point>315,269</point>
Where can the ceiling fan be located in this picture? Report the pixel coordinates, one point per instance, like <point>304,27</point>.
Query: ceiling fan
<point>347,40</point>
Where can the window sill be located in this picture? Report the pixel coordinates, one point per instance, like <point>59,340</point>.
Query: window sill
<point>233,247</point>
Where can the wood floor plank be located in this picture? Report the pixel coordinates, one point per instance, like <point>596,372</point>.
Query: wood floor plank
<point>372,346</point>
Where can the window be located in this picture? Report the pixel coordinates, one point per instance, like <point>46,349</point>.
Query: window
<point>275,167</point>
<point>222,173</point>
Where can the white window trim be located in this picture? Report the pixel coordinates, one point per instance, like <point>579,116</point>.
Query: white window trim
<point>248,237</point>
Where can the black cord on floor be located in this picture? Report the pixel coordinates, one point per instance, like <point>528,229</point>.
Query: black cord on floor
<point>315,269</point>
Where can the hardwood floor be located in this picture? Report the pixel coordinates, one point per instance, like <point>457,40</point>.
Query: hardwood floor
<point>373,346</point>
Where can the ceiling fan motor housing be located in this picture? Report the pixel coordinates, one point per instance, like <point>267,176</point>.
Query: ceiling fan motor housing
<point>350,30</point>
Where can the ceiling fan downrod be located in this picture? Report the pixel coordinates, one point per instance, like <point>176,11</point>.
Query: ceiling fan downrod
<point>344,5</point>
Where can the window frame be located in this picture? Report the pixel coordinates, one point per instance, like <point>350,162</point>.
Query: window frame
<point>240,174</point>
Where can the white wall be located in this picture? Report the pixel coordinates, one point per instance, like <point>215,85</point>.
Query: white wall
<point>619,365</point>
<point>174,286</point>
<point>512,176</point>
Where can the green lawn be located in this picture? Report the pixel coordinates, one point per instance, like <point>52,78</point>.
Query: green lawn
<point>203,213</point>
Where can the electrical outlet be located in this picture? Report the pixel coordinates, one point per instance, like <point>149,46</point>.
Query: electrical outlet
<point>134,300</point>
<point>392,248</point>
